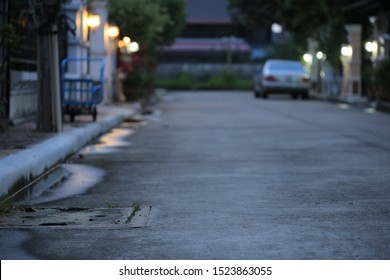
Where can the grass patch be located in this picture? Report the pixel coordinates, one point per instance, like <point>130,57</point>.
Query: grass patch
<point>136,207</point>
<point>6,205</point>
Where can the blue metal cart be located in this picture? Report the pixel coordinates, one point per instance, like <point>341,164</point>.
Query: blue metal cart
<point>81,91</point>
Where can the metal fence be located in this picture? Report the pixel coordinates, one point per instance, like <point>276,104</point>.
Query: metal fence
<point>23,54</point>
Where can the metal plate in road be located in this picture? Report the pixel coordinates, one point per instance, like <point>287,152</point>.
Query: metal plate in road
<point>77,218</point>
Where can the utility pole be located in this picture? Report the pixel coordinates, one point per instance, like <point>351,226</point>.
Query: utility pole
<point>49,117</point>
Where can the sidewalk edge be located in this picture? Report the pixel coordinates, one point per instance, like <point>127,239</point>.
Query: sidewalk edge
<point>18,169</point>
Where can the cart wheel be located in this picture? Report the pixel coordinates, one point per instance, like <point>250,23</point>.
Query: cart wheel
<point>94,114</point>
<point>72,113</point>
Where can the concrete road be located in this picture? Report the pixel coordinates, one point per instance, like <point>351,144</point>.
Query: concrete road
<point>228,176</point>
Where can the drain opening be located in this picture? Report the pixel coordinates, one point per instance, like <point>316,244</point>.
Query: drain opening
<point>89,218</point>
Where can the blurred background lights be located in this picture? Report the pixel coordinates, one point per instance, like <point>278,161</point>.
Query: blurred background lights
<point>113,31</point>
<point>346,51</point>
<point>320,55</point>
<point>133,47</point>
<point>126,40</point>
<point>276,28</point>
<point>370,46</point>
<point>308,58</point>
<point>93,21</point>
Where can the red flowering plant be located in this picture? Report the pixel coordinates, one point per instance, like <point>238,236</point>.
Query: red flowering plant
<point>139,68</point>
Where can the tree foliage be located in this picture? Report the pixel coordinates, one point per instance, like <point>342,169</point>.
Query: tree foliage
<point>150,22</point>
<point>321,20</point>
<point>255,12</point>
<point>175,9</point>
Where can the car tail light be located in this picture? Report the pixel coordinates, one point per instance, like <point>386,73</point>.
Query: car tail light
<point>305,79</point>
<point>269,78</point>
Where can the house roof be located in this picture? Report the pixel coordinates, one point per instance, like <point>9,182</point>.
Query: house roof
<point>207,11</point>
<point>366,6</point>
<point>361,5</point>
<point>208,44</point>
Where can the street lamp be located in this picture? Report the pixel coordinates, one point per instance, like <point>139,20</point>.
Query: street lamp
<point>346,57</point>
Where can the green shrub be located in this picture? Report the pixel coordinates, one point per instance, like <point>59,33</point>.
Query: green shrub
<point>184,81</point>
<point>244,84</point>
<point>223,81</point>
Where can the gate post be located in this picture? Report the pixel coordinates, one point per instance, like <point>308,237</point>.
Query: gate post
<point>49,108</point>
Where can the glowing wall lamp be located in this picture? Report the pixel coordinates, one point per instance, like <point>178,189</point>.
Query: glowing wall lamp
<point>93,21</point>
<point>113,31</point>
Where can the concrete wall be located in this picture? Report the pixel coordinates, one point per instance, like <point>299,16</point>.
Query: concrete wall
<point>23,97</point>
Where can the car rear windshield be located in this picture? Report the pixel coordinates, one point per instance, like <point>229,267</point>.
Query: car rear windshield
<point>290,66</point>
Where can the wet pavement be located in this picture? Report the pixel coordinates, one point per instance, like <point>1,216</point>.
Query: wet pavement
<point>27,154</point>
<point>22,136</point>
<point>64,181</point>
<point>219,175</point>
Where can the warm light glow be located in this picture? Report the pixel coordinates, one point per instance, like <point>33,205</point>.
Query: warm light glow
<point>93,21</point>
<point>113,31</point>
<point>347,51</point>
<point>133,47</point>
<point>121,44</point>
<point>308,58</point>
<point>126,40</point>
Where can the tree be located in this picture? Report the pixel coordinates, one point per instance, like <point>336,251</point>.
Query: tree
<point>322,20</point>
<point>152,23</point>
<point>175,21</point>
<point>255,12</point>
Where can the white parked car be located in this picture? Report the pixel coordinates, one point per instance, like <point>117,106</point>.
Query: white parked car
<point>282,76</point>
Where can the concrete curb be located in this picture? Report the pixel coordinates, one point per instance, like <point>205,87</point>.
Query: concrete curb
<point>18,169</point>
<point>361,102</point>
